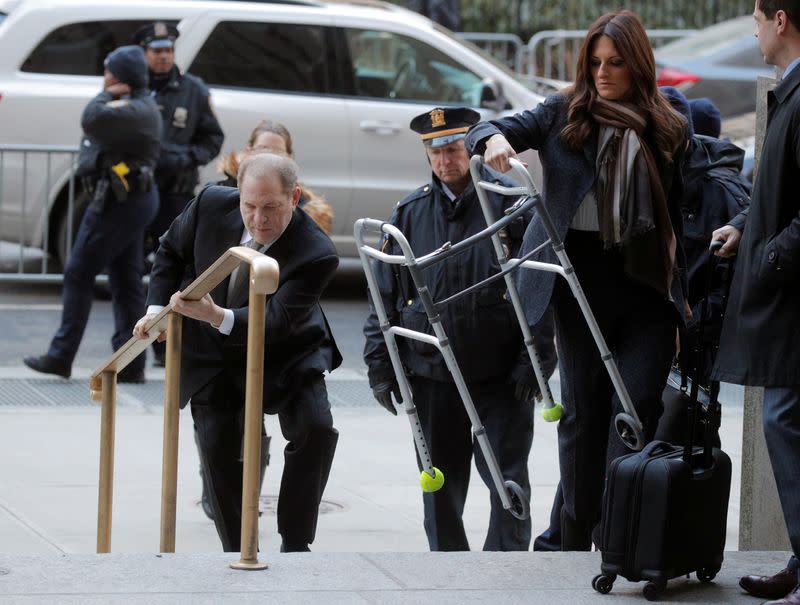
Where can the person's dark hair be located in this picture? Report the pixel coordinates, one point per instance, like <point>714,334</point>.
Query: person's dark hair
<point>790,7</point>
<point>264,165</point>
<point>631,42</point>
<point>275,128</point>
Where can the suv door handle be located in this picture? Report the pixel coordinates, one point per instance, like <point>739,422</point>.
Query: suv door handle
<point>380,127</point>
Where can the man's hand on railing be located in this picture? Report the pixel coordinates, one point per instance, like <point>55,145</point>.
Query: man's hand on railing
<point>204,309</point>
<point>139,331</point>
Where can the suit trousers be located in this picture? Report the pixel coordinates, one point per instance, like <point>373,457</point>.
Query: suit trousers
<point>307,425</point>
<point>110,239</point>
<point>640,330</point>
<point>447,429</point>
<point>781,417</point>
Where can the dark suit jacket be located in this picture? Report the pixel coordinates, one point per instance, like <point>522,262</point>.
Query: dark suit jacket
<point>299,341</point>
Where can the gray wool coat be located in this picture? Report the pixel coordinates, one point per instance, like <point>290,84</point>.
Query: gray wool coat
<point>568,176</point>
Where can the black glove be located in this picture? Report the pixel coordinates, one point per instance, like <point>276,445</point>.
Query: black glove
<point>526,392</point>
<point>383,394</point>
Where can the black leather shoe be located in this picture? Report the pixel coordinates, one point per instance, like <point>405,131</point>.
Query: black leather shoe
<point>49,365</point>
<point>129,376</point>
<point>770,587</point>
<point>793,598</point>
<point>294,547</point>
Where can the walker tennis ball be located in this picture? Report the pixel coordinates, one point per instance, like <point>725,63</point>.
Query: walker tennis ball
<point>553,414</point>
<point>431,483</point>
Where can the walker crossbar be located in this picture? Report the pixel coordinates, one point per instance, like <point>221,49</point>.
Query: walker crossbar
<point>511,495</point>
<point>627,422</point>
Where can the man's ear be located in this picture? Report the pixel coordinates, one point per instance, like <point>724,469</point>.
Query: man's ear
<point>781,20</point>
<point>296,195</point>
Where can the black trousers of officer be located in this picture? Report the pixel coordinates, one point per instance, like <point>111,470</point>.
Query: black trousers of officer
<point>109,239</point>
<point>172,204</point>
<point>447,429</point>
<point>640,329</point>
<point>307,425</point>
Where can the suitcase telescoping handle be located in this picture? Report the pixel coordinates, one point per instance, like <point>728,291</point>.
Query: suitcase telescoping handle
<point>699,372</point>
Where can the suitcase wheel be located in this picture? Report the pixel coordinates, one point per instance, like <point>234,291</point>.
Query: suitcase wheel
<point>651,591</point>
<point>706,575</point>
<point>603,583</point>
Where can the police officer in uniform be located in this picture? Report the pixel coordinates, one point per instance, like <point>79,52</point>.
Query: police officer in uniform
<point>485,336</point>
<point>191,137</point>
<point>122,129</point>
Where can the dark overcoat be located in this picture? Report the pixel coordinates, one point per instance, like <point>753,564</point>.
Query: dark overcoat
<point>568,176</point>
<point>760,343</point>
<point>298,340</point>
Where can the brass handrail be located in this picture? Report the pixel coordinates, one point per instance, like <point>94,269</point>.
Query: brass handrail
<point>264,273</point>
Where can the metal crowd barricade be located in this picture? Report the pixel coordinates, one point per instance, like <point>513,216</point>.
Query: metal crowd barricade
<point>553,53</point>
<point>37,188</point>
<point>507,48</point>
<point>264,273</point>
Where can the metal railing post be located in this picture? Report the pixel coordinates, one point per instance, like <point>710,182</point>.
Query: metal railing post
<point>253,412</point>
<point>169,469</point>
<point>106,489</point>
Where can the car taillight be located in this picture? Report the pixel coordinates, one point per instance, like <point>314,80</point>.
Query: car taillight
<point>669,76</point>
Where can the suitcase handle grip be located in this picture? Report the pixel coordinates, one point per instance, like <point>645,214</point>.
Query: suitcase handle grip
<point>655,446</point>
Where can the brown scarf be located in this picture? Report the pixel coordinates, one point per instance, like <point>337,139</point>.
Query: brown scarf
<point>631,205</point>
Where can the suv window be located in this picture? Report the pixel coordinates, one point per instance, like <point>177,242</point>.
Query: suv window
<point>79,48</point>
<point>268,56</point>
<point>396,67</point>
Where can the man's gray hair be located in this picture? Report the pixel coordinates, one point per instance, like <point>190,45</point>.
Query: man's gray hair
<point>265,165</point>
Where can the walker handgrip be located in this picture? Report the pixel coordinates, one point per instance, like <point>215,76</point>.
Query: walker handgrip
<point>372,224</point>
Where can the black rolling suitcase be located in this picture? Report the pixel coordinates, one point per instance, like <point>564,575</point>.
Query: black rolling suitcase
<point>665,509</point>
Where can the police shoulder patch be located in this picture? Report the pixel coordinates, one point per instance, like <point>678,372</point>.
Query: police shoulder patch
<point>420,193</point>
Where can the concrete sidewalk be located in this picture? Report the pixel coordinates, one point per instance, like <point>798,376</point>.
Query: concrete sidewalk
<point>370,545</point>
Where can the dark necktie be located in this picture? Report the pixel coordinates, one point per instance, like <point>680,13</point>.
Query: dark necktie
<point>238,282</point>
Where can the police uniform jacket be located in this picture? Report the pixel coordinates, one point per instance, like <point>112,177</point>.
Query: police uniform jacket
<point>568,176</point>
<point>298,340</point>
<point>761,331</point>
<point>119,130</point>
<point>481,327</point>
<point>192,135</point>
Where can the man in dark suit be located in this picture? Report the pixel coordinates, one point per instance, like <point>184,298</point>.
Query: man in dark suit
<point>761,330</point>
<point>299,345</point>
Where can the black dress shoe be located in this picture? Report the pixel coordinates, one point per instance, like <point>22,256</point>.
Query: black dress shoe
<point>770,587</point>
<point>49,365</point>
<point>130,376</point>
<point>793,598</point>
<point>294,547</point>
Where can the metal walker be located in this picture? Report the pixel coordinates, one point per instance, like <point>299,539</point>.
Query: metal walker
<point>510,493</point>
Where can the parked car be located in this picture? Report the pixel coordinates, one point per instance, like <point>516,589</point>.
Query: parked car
<point>346,79</point>
<point>721,62</point>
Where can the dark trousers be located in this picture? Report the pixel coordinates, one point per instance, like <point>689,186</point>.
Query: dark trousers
<point>447,429</point>
<point>172,204</point>
<point>781,417</point>
<point>307,425</point>
<point>111,239</point>
<point>639,328</point>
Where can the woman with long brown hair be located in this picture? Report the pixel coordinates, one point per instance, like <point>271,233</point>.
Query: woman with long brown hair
<point>609,146</point>
<point>274,137</point>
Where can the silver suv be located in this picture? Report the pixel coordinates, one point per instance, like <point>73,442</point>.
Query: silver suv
<point>346,79</point>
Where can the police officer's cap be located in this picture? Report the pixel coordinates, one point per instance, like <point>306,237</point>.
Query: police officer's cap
<point>156,35</point>
<point>444,125</point>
